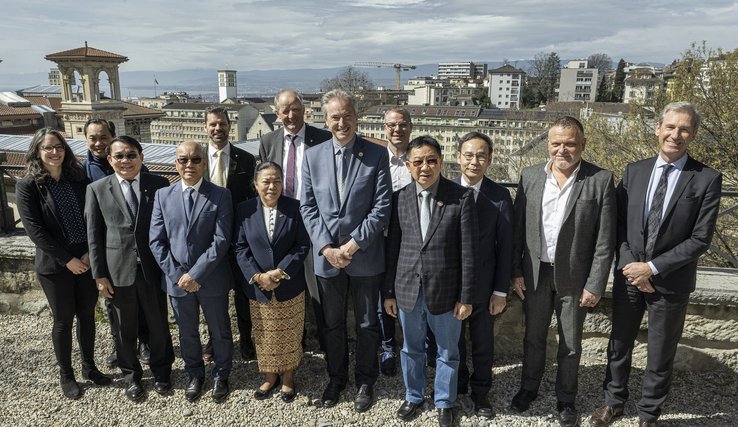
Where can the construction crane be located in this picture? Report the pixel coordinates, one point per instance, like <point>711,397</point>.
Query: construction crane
<point>398,69</point>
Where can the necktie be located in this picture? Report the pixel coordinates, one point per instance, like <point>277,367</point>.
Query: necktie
<point>189,203</point>
<point>654,213</point>
<point>219,170</point>
<point>341,173</point>
<point>289,179</point>
<point>425,212</point>
<point>132,200</point>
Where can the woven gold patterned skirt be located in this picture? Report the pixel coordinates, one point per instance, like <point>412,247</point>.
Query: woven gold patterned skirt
<point>277,331</point>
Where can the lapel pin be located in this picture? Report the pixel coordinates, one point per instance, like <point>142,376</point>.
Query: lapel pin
<point>439,203</point>
<point>361,154</point>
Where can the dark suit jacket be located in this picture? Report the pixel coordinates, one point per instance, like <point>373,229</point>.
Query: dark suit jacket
<point>494,262</point>
<point>199,247</point>
<point>444,263</point>
<point>271,147</point>
<point>586,241</point>
<point>40,217</point>
<point>114,240</point>
<point>686,228</point>
<point>240,175</point>
<point>287,249</point>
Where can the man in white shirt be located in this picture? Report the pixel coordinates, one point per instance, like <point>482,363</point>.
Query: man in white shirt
<point>564,242</point>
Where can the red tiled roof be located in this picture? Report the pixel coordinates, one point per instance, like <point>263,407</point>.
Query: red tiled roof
<point>85,52</point>
<point>139,110</point>
<point>17,111</point>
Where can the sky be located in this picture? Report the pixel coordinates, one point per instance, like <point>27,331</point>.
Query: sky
<point>160,35</point>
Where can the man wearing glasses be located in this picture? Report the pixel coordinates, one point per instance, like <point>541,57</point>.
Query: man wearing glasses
<point>495,211</point>
<point>190,243</point>
<point>118,215</point>
<point>429,284</point>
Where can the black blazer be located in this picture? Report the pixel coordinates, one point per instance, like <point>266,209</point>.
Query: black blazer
<point>287,249</point>
<point>41,221</point>
<point>494,255</point>
<point>240,175</point>
<point>271,147</point>
<point>686,228</point>
<point>115,241</point>
<point>444,263</point>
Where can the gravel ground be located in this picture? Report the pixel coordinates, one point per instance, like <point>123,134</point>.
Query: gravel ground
<point>31,395</point>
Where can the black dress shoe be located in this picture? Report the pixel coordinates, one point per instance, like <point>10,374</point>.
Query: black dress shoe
<point>408,410</point>
<point>260,394</point>
<point>135,391</point>
<point>97,377</point>
<point>445,417</point>
<point>220,390</point>
<point>364,398</point>
<point>288,396</point>
<point>482,407</point>
<point>194,389</point>
<point>331,394</point>
<point>163,388</point>
<point>112,359</point>
<point>568,415</point>
<point>605,415</point>
<point>521,401</point>
<point>144,354</point>
<point>70,388</point>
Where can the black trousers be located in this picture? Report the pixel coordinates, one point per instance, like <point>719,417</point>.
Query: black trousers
<point>130,304</point>
<point>143,333</point>
<point>481,326</point>
<point>71,295</point>
<point>666,314</point>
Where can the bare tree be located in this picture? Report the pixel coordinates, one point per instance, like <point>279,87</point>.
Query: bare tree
<point>601,61</point>
<point>349,79</point>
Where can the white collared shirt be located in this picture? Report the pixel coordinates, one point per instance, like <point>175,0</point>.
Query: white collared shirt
<point>136,184</point>
<point>226,160</point>
<point>553,207</point>
<point>299,152</point>
<point>398,171</point>
<point>185,187</point>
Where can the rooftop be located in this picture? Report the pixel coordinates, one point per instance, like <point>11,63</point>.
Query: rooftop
<point>85,52</point>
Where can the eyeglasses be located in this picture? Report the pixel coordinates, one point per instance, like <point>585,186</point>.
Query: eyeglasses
<point>130,156</point>
<point>481,157</point>
<point>185,160</point>
<point>402,126</point>
<point>419,163</point>
<point>52,148</point>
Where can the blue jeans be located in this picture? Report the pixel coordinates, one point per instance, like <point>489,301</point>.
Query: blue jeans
<point>446,329</point>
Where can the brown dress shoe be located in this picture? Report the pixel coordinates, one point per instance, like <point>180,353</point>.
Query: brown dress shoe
<point>605,415</point>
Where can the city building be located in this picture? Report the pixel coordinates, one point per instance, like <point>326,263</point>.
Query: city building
<point>434,91</point>
<point>578,82</point>
<point>55,77</point>
<point>227,85</point>
<point>184,121</point>
<point>506,87</point>
<point>461,70</point>
<point>641,83</point>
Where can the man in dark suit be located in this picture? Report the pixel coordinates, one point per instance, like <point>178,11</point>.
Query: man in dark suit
<point>118,214</point>
<point>232,168</point>
<point>667,210</point>
<point>563,247</point>
<point>494,264</point>
<point>431,249</point>
<point>345,204</point>
<point>286,147</point>
<point>191,243</point>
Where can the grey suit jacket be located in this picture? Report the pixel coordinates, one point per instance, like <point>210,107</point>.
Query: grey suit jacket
<point>362,216</point>
<point>115,242</point>
<point>271,146</point>
<point>586,241</point>
<point>199,247</point>
<point>444,263</point>
<point>686,228</point>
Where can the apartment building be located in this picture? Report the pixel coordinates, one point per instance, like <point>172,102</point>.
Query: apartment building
<point>506,87</point>
<point>578,82</point>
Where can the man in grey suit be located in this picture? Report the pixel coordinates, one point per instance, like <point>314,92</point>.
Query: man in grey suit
<point>286,147</point>
<point>118,215</point>
<point>667,209</point>
<point>563,245</point>
<point>345,204</point>
<point>431,254</point>
<point>190,243</point>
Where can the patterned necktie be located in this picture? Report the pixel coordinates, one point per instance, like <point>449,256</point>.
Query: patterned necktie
<point>289,179</point>
<point>341,173</point>
<point>189,203</point>
<point>132,200</point>
<point>425,212</point>
<point>219,170</point>
<point>654,213</point>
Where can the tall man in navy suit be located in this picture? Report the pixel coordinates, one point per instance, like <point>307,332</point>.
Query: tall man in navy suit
<point>118,214</point>
<point>494,266</point>
<point>345,205</point>
<point>286,147</point>
<point>667,209</point>
<point>431,250</point>
<point>190,243</point>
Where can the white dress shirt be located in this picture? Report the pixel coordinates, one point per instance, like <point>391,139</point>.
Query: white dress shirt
<point>553,207</point>
<point>212,159</point>
<point>299,152</point>
<point>399,172</point>
<point>136,184</point>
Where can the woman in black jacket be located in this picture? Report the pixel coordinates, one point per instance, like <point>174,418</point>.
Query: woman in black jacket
<point>50,201</point>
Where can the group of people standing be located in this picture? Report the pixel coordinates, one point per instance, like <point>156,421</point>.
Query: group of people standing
<point>346,219</point>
